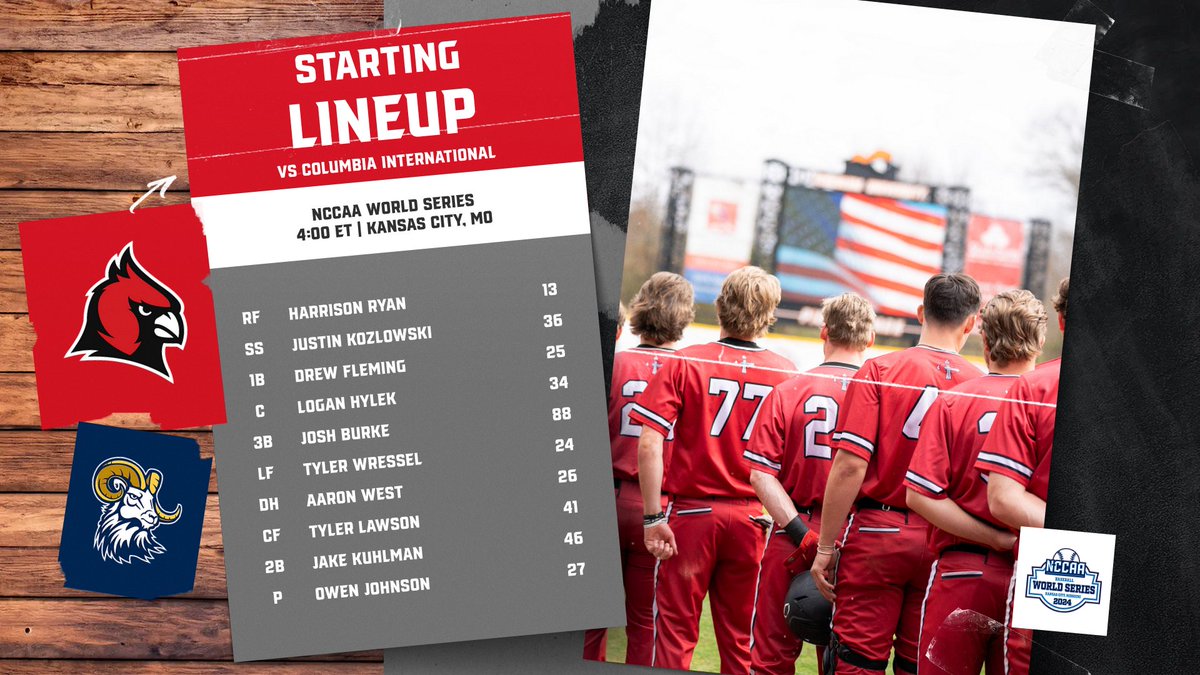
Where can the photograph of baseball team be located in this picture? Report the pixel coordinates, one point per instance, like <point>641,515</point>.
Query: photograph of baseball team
<point>893,486</point>
<point>833,400</point>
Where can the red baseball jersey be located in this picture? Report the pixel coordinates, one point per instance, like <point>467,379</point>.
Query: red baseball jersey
<point>881,423</point>
<point>632,371</point>
<point>1022,439</point>
<point>711,394</point>
<point>795,428</point>
<point>943,465</point>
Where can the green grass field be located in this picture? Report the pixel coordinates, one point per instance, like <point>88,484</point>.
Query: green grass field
<point>706,659</point>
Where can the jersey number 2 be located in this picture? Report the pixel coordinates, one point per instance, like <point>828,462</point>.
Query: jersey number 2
<point>632,388</point>
<point>819,426</point>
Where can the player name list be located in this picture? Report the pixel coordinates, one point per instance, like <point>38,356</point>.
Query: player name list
<point>416,448</point>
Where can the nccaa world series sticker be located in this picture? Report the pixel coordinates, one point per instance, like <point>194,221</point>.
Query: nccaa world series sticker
<point>1063,581</point>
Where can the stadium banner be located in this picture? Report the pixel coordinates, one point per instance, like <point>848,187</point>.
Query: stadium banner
<point>995,254</point>
<point>833,242</point>
<point>398,230</point>
<point>720,232</point>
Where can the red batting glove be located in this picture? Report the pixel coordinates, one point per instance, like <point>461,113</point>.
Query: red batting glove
<point>801,559</point>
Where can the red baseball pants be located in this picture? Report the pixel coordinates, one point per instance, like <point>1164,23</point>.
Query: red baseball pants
<point>882,575</point>
<point>1017,641</point>
<point>773,647</point>
<point>595,644</point>
<point>973,581</point>
<point>637,566</point>
<point>719,551</point>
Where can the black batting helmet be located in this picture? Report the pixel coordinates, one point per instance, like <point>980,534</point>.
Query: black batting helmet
<point>808,613</point>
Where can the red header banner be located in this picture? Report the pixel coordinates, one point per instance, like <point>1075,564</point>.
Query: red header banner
<point>377,105</point>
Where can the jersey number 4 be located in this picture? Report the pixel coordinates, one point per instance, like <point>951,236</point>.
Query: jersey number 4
<point>912,424</point>
<point>730,389</point>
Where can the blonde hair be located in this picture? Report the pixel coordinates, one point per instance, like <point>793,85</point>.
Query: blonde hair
<point>849,320</point>
<point>1013,327</point>
<point>662,308</point>
<point>1060,298</point>
<point>747,302</point>
<point>622,314</point>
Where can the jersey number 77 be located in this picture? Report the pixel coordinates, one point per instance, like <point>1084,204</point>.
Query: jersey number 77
<point>730,389</point>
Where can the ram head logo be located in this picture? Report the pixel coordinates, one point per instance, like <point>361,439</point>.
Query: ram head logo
<point>130,511</point>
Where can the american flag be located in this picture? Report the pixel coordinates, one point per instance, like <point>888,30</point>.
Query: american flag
<point>882,249</point>
<point>892,248</point>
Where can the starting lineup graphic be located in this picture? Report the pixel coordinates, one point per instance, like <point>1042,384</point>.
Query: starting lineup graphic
<point>380,446</point>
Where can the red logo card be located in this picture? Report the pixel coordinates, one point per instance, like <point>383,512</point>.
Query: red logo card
<point>123,318</point>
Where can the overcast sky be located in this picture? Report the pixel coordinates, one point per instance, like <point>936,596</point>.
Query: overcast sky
<point>959,97</point>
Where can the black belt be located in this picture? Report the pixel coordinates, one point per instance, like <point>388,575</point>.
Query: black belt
<point>968,548</point>
<point>868,503</point>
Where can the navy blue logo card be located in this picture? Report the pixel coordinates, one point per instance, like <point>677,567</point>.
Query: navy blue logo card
<point>135,509</point>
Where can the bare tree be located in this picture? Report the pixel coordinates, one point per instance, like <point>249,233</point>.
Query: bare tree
<point>1056,142</point>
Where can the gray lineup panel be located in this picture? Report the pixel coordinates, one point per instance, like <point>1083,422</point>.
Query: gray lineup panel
<point>475,546</point>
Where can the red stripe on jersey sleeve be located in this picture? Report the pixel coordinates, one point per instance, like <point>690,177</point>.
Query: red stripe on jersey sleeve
<point>858,426</point>
<point>658,406</point>
<point>1009,447</point>
<point>649,418</point>
<point>764,451</point>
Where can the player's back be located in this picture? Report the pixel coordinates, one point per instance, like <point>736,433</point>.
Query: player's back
<point>812,402</point>
<point>885,407</point>
<point>953,433</point>
<point>1022,440</point>
<point>717,389</point>
<point>632,371</point>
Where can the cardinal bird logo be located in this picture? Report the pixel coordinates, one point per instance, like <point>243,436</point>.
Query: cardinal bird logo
<point>131,317</point>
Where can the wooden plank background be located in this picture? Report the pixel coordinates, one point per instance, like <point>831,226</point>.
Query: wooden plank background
<point>89,113</point>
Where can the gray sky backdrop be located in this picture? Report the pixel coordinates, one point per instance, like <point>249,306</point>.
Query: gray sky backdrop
<point>986,101</point>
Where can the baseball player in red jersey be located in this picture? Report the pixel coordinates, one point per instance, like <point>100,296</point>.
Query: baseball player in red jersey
<point>882,568</point>
<point>1016,459</point>
<point>659,313</point>
<point>975,563</point>
<point>706,539</point>
<point>789,456</point>
<point>595,641</point>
